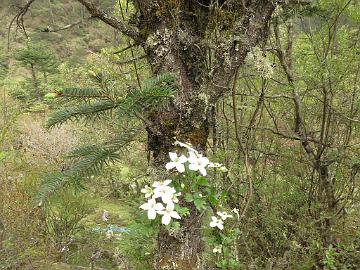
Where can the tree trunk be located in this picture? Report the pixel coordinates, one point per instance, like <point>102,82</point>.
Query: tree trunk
<point>178,37</point>
<point>183,250</point>
<point>35,81</point>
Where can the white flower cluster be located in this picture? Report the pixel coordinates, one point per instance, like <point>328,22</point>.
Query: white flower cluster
<point>168,196</point>
<point>219,221</point>
<point>195,160</point>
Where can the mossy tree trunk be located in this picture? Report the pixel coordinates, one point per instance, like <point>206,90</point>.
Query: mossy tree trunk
<point>203,43</point>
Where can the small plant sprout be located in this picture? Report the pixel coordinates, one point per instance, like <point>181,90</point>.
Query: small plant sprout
<point>148,191</point>
<point>169,213</point>
<point>152,207</point>
<point>176,162</point>
<point>217,222</point>
<point>198,163</point>
<point>224,215</point>
<point>218,249</point>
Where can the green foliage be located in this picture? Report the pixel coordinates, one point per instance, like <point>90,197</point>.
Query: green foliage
<point>36,55</point>
<point>85,110</point>
<point>63,215</point>
<point>85,162</point>
<point>97,102</point>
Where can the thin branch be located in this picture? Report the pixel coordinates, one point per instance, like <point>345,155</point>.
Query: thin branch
<point>19,18</point>
<point>126,29</point>
<point>125,49</point>
<point>50,30</point>
<point>128,61</point>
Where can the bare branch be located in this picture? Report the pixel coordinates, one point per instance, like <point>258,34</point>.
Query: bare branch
<point>19,18</point>
<point>126,29</point>
<point>50,30</point>
<point>128,61</point>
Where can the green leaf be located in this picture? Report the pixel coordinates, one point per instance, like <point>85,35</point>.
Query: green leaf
<point>200,204</point>
<point>201,181</point>
<point>212,199</point>
<point>183,211</point>
<point>188,197</point>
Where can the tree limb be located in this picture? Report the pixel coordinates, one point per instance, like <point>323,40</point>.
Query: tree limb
<point>126,29</point>
<point>50,30</point>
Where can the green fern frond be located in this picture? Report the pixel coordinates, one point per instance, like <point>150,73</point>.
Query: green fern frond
<point>83,110</point>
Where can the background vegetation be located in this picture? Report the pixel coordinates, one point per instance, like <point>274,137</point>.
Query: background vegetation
<point>70,190</point>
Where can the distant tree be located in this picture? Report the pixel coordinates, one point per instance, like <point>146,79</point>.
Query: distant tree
<point>37,59</point>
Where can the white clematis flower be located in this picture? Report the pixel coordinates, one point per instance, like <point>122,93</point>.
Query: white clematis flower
<point>198,163</point>
<point>176,162</point>
<point>187,146</point>
<point>148,191</point>
<point>224,215</point>
<point>161,183</point>
<point>152,207</point>
<point>236,211</point>
<point>163,191</point>
<point>217,249</point>
<point>169,213</point>
<point>217,222</point>
<point>214,165</point>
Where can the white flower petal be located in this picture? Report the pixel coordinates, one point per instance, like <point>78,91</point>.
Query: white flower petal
<point>165,219</point>
<point>170,206</point>
<point>167,198</point>
<point>202,170</point>
<point>145,206</point>
<point>174,214</point>
<point>192,157</point>
<point>158,207</point>
<point>167,182</point>
<point>204,161</point>
<point>220,226</point>
<point>173,156</point>
<point>180,167</point>
<point>156,184</point>
<point>193,167</point>
<point>182,159</point>
<point>213,224</point>
<point>151,214</point>
<point>170,165</point>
